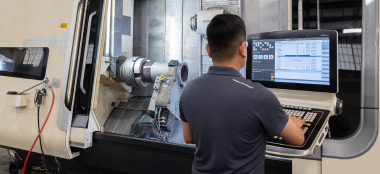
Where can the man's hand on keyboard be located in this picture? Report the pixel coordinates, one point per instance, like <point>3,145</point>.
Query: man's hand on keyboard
<point>298,121</point>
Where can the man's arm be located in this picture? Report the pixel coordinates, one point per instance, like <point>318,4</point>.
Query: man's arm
<point>187,134</point>
<point>292,132</point>
<point>275,121</point>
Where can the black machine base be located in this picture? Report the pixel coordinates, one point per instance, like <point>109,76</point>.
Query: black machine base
<point>119,154</point>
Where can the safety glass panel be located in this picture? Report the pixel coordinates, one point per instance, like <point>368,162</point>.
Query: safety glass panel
<point>346,19</point>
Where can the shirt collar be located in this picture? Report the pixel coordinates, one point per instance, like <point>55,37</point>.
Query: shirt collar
<point>222,70</point>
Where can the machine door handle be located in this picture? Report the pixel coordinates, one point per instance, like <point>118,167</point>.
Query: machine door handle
<point>86,51</point>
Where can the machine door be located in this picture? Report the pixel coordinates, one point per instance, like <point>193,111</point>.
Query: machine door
<point>359,85</point>
<point>78,85</point>
<point>353,132</point>
<point>81,99</point>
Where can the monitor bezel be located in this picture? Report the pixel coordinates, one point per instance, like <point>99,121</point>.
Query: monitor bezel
<point>333,37</point>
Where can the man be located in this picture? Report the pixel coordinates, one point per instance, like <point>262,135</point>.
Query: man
<point>227,116</point>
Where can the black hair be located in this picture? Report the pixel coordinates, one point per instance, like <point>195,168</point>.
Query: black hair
<point>224,33</point>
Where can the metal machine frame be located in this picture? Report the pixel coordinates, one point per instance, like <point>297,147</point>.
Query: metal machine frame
<point>367,132</point>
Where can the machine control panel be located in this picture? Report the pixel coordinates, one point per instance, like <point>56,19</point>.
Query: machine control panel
<point>298,61</point>
<point>313,128</point>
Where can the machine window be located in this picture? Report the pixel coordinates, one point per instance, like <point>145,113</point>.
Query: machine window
<point>23,62</point>
<point>349,56</point>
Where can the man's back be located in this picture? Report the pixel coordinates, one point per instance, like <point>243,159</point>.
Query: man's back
<point>229,118</point>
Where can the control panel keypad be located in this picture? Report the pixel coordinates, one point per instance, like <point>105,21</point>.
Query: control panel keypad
<point>309,117</point>
<point>296,113</point>
<point>304,129</point>
<point>304,114</point>
<point>299,111</point>
<point>315,119</point>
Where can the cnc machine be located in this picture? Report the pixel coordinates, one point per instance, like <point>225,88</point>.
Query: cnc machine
<point>117,69</point>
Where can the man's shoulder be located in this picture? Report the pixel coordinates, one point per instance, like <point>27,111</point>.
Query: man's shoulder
<point>192,86</point>
<point>240,84</point>
<point>195,82</point>
<point>254,89</point>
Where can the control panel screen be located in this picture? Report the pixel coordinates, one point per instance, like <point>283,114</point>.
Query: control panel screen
<point>292,60</point>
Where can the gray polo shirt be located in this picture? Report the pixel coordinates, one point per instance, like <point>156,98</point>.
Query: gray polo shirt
<point>229,118</point>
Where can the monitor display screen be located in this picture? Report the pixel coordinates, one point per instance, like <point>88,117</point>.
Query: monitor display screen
<point>292,60</point>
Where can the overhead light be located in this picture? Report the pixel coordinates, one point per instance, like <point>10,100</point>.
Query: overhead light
<point>352,30</point>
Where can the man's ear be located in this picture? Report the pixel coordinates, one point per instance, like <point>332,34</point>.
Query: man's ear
<point>208,50</point>
<point>243,50</point>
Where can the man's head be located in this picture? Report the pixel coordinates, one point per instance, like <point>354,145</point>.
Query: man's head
<point>226,35</point>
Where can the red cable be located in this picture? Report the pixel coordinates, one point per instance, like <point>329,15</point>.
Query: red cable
<point>27,157</point>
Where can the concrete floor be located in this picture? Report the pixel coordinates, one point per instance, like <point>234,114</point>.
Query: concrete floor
<point>4,161</point>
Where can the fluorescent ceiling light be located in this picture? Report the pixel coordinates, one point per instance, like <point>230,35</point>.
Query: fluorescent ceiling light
<point>352,30</point>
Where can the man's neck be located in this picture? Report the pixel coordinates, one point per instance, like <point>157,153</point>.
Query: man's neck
<point>227,64</point>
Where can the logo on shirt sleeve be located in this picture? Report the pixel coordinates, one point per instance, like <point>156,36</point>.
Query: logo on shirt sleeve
<point>242,83</point>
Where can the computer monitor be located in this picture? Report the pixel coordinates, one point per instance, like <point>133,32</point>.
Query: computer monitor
<point>298,60</point>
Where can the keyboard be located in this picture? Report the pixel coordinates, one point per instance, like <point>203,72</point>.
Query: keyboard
<point>315,121</point>
<point>308,116</point>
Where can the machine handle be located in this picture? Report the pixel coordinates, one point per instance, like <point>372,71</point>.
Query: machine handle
<point>86,51</point>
